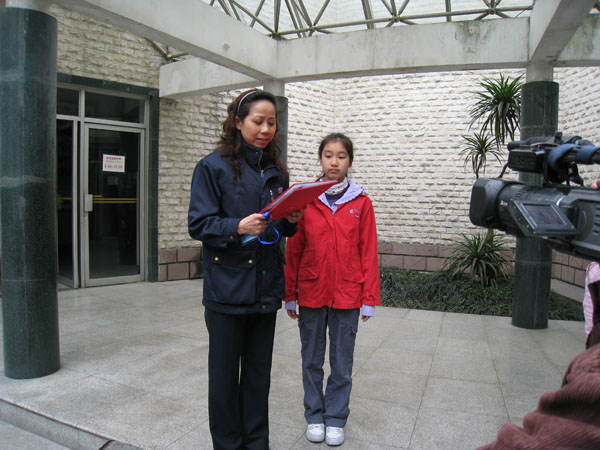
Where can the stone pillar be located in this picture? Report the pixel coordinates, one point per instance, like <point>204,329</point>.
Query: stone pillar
<point>282,117</point>
<point>533,257</point>
<point>277,88</point>
<point>28,190</point>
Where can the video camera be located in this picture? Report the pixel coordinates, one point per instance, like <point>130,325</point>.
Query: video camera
<point>568,217</point>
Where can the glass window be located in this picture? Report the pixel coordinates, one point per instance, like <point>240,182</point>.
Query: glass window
<point>111,107</point>
<point>67,102</point>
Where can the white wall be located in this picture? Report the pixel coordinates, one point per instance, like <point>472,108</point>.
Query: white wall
<point>406,129</point>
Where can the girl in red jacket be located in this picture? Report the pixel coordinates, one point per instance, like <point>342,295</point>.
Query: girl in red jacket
<point>332,272</point>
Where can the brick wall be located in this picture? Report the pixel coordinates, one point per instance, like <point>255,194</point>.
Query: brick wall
<point>186,262</point>
<point>429,258</point>
<point>180,263</point>
<point>89,48</point>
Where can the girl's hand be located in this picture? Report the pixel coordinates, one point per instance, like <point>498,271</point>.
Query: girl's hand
<point>294,217</point>
<point>292,314</point>
<point>254,224</point>
<point>365,318</point>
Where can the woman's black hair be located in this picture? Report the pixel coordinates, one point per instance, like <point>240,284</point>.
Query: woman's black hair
<point>231,142</point>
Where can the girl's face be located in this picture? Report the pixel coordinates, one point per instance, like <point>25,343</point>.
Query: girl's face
<point>335,161</point>
<point>259,126</point>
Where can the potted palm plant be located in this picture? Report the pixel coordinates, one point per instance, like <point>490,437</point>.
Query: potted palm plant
<point>498,108</point>
<point>476,150</point>
<point>497,112</point>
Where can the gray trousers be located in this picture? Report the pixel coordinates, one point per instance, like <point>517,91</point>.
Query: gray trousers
<point>331,408</point>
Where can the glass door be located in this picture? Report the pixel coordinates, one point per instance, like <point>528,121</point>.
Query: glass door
<point>111,233</point>
<point>66,202</point>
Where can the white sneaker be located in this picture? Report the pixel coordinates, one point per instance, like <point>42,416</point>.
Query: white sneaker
<point>334,436</point>
<point>315,432</point>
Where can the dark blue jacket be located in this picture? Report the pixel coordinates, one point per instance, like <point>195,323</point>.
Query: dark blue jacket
<point>237,279</point>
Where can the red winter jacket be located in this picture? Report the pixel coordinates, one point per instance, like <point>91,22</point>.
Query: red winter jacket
<point>332,258</point>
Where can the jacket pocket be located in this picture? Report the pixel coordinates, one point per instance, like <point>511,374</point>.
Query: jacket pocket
<point>232,277</point>
<point>309,266</point>
<point>352,268</point>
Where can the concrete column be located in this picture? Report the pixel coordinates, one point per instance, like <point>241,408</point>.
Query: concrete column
<point>277,88</point>
<point>28,239</point>
<point>533,257</point>
<point>282,117</point>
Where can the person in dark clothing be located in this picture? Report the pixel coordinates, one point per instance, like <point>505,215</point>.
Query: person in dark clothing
<point>243,282</point>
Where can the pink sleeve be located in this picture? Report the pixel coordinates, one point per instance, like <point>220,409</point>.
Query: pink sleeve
<point>592,276</point>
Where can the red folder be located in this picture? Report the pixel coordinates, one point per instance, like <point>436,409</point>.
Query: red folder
<point>296,197</point>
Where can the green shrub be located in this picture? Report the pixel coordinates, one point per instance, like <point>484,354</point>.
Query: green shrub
<point>479,256</point>
<point>442,291</point>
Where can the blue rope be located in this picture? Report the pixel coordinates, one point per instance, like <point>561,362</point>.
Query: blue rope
<point>267,216</point>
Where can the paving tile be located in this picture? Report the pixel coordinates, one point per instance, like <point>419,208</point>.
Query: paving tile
<point>462,327</point>
<point>394,361</point>
<point>196,439</point>
<point>437,429</point>
<point>380,422</point>
<point>425,316</point>
<point>17,390</point>
<point>402,388</point>
<point>528,373</point>
<point>149,421</point>
<point>559,345</point>
<point>95,359</point>
<point>521,399</point>
<point>464,396</point>
<point>195,329</point>
<point>464,359</point>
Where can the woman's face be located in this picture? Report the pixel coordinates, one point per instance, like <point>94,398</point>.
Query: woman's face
<point>259,126</point>
<point>335,161</point>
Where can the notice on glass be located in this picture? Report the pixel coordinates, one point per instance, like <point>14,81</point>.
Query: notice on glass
<point>113,163</point>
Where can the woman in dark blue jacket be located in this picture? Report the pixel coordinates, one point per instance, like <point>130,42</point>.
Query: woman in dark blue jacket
<point>243,284</point>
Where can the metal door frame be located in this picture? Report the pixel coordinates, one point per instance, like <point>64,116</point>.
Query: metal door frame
<point>83,218</point>
<point>74,283</point>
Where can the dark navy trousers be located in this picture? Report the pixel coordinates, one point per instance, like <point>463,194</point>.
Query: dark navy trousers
<point>239,379</point>
<point>332,407</point>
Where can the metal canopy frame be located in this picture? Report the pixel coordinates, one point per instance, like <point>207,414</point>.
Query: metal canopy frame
<point>235,44</point>
<point>389,13</point>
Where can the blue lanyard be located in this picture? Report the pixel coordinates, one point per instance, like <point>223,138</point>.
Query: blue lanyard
<point>267,216</point>
<point>246,239</point>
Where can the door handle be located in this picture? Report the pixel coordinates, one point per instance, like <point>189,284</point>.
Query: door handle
<point>88,203</point>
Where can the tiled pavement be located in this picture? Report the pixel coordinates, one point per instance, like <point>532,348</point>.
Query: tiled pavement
<point>133,369</point>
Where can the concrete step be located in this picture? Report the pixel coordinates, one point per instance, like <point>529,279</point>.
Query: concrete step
<point>15,438</point>
<point>24,429</point>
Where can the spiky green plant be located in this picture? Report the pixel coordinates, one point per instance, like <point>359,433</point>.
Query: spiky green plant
<point>498,107</point>
<point>480,256</point>
<point>477,149</point>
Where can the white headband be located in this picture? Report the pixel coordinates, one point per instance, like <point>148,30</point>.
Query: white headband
<point>242,100</point>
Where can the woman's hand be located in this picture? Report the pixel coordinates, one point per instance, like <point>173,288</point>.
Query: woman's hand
<point>254,225</point>
<point>292,314</point>
<point>294,217</point>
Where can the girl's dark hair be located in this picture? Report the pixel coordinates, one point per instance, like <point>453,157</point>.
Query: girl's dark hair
<point>231,142</point>
<point>345,140</point>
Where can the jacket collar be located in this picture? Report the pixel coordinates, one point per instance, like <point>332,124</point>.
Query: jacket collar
<point>351,193</point>
<point>257,158</point>
<point>253,155</point>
